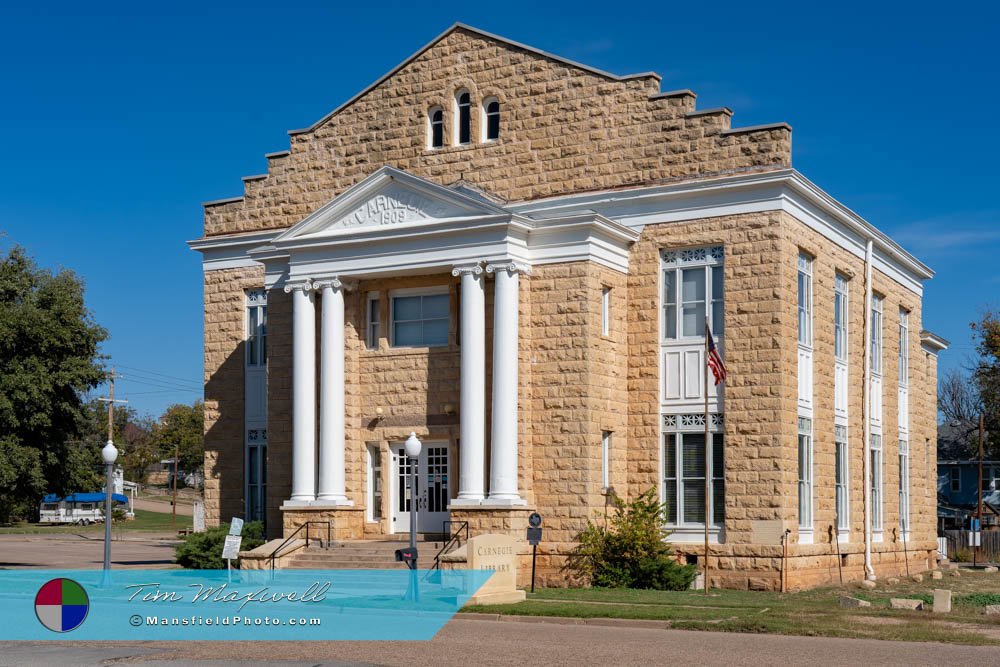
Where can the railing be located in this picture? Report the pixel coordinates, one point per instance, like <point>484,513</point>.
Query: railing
<point>329,531</point>
<point>453,539</point>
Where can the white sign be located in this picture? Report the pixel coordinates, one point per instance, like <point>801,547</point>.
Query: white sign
<point>199,517</point>
<point>231,549</point>
<point>236,526</point>
<point>975,539</point>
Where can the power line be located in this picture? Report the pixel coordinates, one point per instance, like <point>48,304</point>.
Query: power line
<point>149,372</point>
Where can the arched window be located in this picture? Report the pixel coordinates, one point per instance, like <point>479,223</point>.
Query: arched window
<point>436,118</point>
<point>491,119</point>
<point>464,129</point>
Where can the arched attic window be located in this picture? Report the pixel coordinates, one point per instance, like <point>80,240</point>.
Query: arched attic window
<point>463,104</point>
<point>435,119</point>
<point>491,119</point>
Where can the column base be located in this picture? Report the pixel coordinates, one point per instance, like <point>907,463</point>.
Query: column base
<point>465,502</point>
<point>297,503</point>
<point>504,502</point>
<point>332,502</point>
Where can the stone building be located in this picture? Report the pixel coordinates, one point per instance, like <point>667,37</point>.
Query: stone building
<point>513,255</point>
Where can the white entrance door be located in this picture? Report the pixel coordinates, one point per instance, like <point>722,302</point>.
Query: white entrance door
<point>432,488</point>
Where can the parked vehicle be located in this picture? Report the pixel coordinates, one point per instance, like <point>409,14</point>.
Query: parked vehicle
<point>81,509</point>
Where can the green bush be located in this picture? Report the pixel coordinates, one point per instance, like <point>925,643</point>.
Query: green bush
<point>978,599</point>
<point>629,550</point>
<point>203,551</point>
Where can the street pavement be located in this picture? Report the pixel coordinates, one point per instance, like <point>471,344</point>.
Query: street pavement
<point>84,552</point>
<point>488,643</point>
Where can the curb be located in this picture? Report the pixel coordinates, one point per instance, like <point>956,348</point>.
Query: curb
<point>564,620</point>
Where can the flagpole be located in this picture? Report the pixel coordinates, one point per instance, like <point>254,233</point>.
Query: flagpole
<point>708,479</point>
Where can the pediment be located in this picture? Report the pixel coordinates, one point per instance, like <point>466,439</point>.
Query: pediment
<point>386,199</point>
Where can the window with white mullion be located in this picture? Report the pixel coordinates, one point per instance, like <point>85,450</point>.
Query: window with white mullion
<point>693,289</point>
<point>904,486</point>
<point>805,457</point>
<point>684,470</point>
<point>876,352</point>
<point>842,478</point>
<point>805,300</point>
<point>374,323</point>
<point>904,353</point>
<point>876,482</point>
<point>840,317</point>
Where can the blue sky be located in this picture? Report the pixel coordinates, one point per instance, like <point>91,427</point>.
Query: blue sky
<point>119,119</point>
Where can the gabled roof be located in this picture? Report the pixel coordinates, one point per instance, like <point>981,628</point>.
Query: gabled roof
<point>389,196</point>
<point>480,33</point>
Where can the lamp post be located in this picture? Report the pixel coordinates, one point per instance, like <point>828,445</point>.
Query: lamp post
<point>413,447</point>
<point>110,455</point>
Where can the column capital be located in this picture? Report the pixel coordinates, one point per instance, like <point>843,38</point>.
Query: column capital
<point>475,269</point>
<point>509,265</point>
<point>305,285</point>
<point>333,282</point>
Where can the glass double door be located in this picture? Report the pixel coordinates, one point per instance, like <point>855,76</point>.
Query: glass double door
<point>432,490</point>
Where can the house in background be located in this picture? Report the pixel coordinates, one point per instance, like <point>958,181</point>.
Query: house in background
<point>958,469</point>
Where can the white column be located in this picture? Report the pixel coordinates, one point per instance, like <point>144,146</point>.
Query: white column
<point>303,392</point>
<point>503,444</point>
<point>332,477</point>
<point>473,393</point>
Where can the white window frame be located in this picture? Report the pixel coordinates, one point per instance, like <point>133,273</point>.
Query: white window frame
<point>457,134</point>
<point>373,326</point>
<point>806,491</point>
<point>606,438</point>
<point>904,351</point>
<point>904,486</point>
<point>430,128</point>
<point>842,455</point>
<point>606,311</point>
<point>371,450</point>
<point>804,295</point>
<point>255,337</point>
<point>414,291</point>
<point>680,426</point>
<point>877,333</point>
<point>676,262</point>
<point>841,324</point>
<point>486,119</point>
<point>878,493</point>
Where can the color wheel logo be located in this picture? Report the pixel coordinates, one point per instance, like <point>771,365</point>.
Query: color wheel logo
<point>61,605</point>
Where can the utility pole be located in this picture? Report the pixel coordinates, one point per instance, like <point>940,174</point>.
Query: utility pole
<point>979,509</point>
<point>173,505</point>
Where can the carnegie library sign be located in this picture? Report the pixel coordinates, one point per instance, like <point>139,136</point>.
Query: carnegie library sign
<point>393,207</point>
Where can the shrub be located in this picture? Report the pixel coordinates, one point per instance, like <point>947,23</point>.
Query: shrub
<point>629,550</point>
<point>203,551</point>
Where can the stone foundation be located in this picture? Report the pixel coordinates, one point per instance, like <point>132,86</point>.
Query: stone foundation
<point>346,523</point>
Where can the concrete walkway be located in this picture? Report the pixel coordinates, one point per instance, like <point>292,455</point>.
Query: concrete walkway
<point>163,506</point>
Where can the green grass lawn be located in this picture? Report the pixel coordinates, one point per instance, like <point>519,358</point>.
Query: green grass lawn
<point>811,613</point>
<point>144,521</point>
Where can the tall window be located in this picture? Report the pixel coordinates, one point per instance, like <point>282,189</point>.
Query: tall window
<point>436,119</point>
<point>464,114</point>
<point>605,459</point>
<point>374,323</point>
<point>955,479</point>
<point>374,481</point>
<point>491,119</point>
<point>904,486</point>
<point>805,473</point>
<point>420,320</point>
<point>842,478</point>
<point>877,334</point>
<point>805,300</point>
<point>840,317</point>
<point>876,482</point>
<point>692,288</point>
<point>904,353</point>
<point>684,478</point>
<point>606,311</point>
<point>256,329</point>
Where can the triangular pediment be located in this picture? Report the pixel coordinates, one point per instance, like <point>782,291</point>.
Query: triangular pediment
<point>389,198</point>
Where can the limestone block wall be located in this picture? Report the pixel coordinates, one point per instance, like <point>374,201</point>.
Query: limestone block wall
<point>225,304</point>
<point>563,129</point>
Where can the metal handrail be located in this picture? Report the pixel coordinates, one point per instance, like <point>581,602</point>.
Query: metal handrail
<point>452,539</point>
<point>291,537</point>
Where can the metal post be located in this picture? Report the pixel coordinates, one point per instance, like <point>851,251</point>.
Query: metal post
<point>534,552</point>
<point>109,467</point>
<point>413,509</point>
<point>708,479</point>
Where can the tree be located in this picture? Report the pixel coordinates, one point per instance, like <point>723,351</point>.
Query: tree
<point>48,359</point>
<point>132,435</point>
<point>184,426</point>
<point>986,374</point>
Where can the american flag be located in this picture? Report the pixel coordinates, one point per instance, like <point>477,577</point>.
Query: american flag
<point>715,361</point>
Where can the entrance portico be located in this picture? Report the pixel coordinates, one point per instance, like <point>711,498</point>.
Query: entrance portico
<point>394,225</point>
